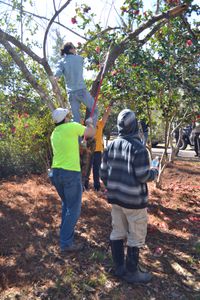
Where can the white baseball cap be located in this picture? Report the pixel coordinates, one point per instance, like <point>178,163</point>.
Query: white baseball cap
<point>59,114</point>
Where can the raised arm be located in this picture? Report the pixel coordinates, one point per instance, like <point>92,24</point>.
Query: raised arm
<point>106,115</point>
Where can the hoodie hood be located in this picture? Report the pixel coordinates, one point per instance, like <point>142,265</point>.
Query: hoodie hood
<point>127,123</point>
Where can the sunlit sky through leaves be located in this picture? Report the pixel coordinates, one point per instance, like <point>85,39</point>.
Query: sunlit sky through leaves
<point>107,13</point>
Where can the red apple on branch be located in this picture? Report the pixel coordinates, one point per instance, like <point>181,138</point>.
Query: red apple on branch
<point>97,49</point>
<point>136,12</point>
<point>73,20</point>
<point>189,43</point>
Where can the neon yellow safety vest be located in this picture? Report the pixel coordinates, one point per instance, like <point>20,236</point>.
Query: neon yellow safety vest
<point>65,145</point>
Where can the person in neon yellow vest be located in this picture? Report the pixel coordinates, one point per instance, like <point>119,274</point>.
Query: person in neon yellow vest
<point>66,172</point>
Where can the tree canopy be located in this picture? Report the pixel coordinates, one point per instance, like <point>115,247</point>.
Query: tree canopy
<point>152,58</point>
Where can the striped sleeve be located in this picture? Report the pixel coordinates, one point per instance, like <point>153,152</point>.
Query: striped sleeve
<point>104,167</point>
<point>142,167</point>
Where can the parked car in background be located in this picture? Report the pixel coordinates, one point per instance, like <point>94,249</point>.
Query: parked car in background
<point>157,137</point>
<point>186,137</point>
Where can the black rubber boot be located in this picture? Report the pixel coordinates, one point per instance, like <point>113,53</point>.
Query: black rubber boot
<point>117,248</point>
<point>134,274</point>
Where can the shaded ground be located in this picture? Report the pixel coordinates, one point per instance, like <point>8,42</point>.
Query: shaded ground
<point>31,267</point>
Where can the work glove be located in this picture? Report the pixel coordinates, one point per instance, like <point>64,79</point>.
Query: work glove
<point>89,121</point>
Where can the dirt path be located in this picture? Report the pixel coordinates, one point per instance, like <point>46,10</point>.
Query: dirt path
<point>31,267</point>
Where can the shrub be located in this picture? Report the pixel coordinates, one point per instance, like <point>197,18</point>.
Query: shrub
<point>25,145</point>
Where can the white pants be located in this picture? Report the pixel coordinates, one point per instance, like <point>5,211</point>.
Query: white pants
<point>130,224</point>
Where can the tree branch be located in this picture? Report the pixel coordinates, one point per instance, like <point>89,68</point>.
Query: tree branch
<point>157,6</point>
<point>47,19</point>
<point>72,31</point>
<point>165,15</point>
<point>121,19</point>
<point>122,46</point>
<point>20,45</point>
<point>54,84</point>
<point>187,25</point>
<point>100,34</point>
<point>54,6</point>
<point>113,54</point>
<point>49,25</point>
<point>151,33</point>
<point>188,85</point>
<point>29,77</point>
<point>6,37</point>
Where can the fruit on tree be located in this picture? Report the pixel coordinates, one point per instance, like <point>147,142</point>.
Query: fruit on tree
<point>189,43</point>
<point>97,49</point>
<point>73,20</point>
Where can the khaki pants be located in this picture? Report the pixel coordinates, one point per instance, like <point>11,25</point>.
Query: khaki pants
<point>130,224</point>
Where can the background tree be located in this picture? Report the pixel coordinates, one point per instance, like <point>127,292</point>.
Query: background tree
<point>142,70</point>
<point>11,42</point>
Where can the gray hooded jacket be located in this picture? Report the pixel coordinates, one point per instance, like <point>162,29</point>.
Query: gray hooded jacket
<point>125,167</point>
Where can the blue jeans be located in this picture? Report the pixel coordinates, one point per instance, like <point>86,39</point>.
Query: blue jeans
<point>69,187</point>
<point>94,164</point>
<point>75,100</point>
<point>96,167</point>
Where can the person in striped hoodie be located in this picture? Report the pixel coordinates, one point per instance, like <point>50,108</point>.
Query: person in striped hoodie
<point>125,171</point>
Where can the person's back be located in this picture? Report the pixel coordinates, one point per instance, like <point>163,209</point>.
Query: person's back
<point>71,66</point>
<point>127,163</point>
<point>125,169</point>
<point>66,150</point>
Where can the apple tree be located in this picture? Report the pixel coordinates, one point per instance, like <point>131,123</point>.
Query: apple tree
<point>50,93</point>
<point>137,29</point>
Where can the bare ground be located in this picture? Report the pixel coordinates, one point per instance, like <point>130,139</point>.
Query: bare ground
<point>31,267</point>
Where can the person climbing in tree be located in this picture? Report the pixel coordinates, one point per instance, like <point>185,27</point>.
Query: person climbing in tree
<point>71,67</point>
<point>95,161</point>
